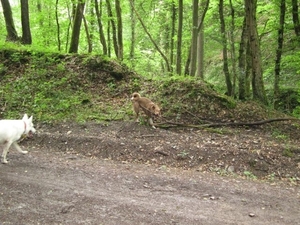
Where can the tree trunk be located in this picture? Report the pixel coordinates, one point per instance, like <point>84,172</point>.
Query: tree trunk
<point>257,74</point>
<point>173,10</point>
<point>57,24</point>
<point>88,36</point>
<point>188,61</point>
<point>296,17</point>
<point>132,43</point>
<point>76,27</point>
<point>200,52</point>
<point>179,37</point>
<point>26,34</point>
<point>12,34</point>
<point>113,26</point>
<point>120,29</point>
<point>150,37</point>
<point>232,47</point>
<point>248,77</point>
<point>100,28</point>
<point>194,43</point>
<point>225,57</point>
<point>278,54</point>
<point>242,63</point>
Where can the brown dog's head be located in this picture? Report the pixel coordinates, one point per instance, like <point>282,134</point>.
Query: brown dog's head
<point>135,96</point>
<point>154,109</point>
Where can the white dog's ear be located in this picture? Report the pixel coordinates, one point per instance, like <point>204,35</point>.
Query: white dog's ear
<point>25,117</point>
<point>30,119</point>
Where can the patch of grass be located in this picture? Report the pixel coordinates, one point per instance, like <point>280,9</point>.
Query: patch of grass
<point>249,175</point>
<point>279,135</point>
<point>287,152</point>
<point>183,154</point>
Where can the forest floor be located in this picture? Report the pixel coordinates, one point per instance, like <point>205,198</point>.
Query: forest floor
<point>126,173</point>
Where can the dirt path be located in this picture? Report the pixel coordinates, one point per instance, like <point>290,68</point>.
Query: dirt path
<point>54,188</point>
<point>65,179</point>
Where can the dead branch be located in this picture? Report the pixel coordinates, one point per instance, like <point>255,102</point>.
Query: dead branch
<point>255,123</point>
<point>161,153</point>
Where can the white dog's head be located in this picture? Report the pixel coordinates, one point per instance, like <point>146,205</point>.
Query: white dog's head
<point>28,125</point>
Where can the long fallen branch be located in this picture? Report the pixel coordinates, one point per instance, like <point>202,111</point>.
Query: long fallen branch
<point>225,124</point>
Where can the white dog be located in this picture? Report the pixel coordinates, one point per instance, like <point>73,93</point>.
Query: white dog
<point>11,131</point>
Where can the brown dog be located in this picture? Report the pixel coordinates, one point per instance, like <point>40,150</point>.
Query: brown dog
<point>150,108</point>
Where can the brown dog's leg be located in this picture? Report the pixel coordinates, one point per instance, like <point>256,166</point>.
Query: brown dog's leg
<point>136,109</point>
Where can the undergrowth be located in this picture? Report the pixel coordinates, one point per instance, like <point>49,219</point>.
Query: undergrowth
<point>56,87</point>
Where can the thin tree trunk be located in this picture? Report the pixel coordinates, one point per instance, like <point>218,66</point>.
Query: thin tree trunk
<point>120,29</point>
<point>194,43</point>
<point>150,37</point>
<point>57,25</point>
<point>241,63</point>
<point>248,76</point>
<point>88,37</point>
<point>179,36</point>
<point>173,10</point>
<point>200,52</point>
<point>279,54</point>
<point>295,13</point>
<point>12,34</point>
<point>114,28</point>
<point>188,61</point>
<point>100,27</point>
<point>232,45</point>
<point>132,44</point>
<point>225,57</point>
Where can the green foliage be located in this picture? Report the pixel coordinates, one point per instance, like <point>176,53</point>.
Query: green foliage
<point>47,99</point>
<point>278,134</point>
<point>250,175</point>
<point>51,35</point>
<point>287,152</point>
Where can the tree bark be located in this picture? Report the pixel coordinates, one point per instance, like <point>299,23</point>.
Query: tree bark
<point>57,24</point>
<point>242,63</point>
<point>200,52</point>
<point>26,34</point>
<point>296,17</point>
<point>100,28</point>
<point>232,48</point>
<point>88,36</point>
<point>279,54</point>
<point>120,29</point>
<point>258,89</point>
<point>173,11</point>
<point>179,37</point>
<point>132,43</point>
<point>114,28</point>
<point>12,34</point>
<point>224,43</point>
<point>194,43</point>
<point>76,27</point>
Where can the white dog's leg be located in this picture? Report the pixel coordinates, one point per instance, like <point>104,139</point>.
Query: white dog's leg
<point>16,146</point>
<point>5,150</point>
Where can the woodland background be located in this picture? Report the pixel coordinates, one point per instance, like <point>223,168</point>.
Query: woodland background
<point>246,49</point>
